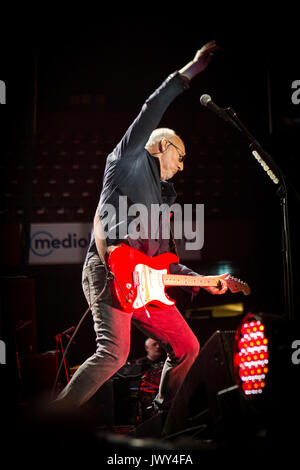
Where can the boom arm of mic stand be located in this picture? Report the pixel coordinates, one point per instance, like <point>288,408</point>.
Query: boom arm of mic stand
<point>276,175</point>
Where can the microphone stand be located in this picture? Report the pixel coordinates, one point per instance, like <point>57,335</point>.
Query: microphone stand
<point>278,178</point>
<point>58,340</point>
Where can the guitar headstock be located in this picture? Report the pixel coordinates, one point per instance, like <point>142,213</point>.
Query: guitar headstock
<point>236,285</point>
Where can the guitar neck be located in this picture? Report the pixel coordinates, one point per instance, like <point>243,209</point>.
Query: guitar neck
<point>185,280</point>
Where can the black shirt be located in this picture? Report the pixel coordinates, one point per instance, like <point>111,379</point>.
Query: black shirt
<point>133,174</point>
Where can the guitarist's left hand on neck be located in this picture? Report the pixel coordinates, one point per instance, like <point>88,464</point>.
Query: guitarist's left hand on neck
<point>220,289</point>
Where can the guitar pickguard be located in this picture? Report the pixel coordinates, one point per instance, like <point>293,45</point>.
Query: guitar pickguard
<point>150,286</point>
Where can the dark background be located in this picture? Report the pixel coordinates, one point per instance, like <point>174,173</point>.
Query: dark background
<point>85,82</point>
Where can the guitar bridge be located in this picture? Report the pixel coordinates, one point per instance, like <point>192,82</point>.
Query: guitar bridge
<point>135,279</point>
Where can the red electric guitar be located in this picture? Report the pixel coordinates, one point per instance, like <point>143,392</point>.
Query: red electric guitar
<point>139,280</point>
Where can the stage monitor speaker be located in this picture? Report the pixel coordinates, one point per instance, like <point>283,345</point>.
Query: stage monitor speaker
<point>196,402</point>
<point>150,428</point>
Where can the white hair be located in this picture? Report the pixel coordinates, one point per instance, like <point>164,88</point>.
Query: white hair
<point>159,134</point>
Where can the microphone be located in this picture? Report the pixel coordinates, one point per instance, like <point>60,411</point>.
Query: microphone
<point>206,100</point>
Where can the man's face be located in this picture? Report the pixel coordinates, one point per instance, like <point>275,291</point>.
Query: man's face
<point>171,161</point>
<point>153,349</point>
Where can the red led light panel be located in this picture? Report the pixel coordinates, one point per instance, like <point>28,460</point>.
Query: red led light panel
<point>251,356</point>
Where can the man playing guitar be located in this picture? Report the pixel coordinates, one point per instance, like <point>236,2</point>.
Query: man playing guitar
<point>139,168</point>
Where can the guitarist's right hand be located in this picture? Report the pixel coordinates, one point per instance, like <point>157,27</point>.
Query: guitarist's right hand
<point>108,251</point>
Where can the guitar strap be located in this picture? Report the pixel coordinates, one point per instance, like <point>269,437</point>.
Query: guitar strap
<point>172,244</point>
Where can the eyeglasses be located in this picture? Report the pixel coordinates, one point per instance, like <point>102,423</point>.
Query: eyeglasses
<point>181,155</point>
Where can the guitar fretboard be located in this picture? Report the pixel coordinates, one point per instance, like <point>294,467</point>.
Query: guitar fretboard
<point>185,280</point>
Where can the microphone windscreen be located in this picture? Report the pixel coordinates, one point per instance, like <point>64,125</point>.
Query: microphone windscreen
<point>205,99</point>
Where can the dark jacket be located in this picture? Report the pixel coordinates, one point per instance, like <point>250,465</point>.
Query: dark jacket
<point>133,173</point>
